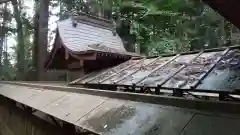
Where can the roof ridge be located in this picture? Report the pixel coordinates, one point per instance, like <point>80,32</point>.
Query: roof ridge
<point>94,17</point>
<point>93,20</point>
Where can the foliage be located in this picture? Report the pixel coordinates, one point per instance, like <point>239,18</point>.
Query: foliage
<point>160,26</point>
<point>23,33</point>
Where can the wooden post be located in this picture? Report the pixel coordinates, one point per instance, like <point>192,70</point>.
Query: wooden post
<point>42,38</point>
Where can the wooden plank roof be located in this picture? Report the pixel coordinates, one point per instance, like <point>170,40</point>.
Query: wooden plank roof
<point>90,35</point>
<point>98,114</point>
<point>187,71</point>
<point>86,37</point>
<point>97,111</point>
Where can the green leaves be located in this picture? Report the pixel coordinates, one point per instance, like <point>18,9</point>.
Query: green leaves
<point>161,26</point>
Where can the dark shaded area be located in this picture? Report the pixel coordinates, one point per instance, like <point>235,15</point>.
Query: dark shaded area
<point>91,65</point>
<point>227,8</point>
<point>57,60</point>
<point>19,121</point>
<point>129,39</point>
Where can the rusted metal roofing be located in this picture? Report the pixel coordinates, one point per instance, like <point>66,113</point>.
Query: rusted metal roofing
<point>186,71</point>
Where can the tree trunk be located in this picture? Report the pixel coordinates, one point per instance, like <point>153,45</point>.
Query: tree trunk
<point>42,38</point>
<point>222,31</point>
<point>20,37</point>
<point>36,32</point>
<point>228,31</point>
<point>5,60</point>
<point>3,32</point>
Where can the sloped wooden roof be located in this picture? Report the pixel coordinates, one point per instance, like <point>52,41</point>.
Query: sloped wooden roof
<point>84,35</point>
<point>101,115</point>
<point>208,70</point>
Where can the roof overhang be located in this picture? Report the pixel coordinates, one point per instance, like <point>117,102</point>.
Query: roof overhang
<point>227,8</point>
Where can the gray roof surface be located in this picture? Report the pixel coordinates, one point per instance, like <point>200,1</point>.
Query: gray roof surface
<point>86,37</point>
<point>121,117</point>
<point>179,71</point>
<point>99,114</point>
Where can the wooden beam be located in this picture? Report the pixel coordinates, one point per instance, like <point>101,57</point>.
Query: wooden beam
<point>108,70</point>
<point>207,105</point>
<point>120,71</point>
<point>194,85</point>
<point>180,69</point>
<point>124,77</point>
<point>157,68</point>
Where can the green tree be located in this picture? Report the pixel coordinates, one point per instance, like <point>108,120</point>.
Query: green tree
<point>21,51</point>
